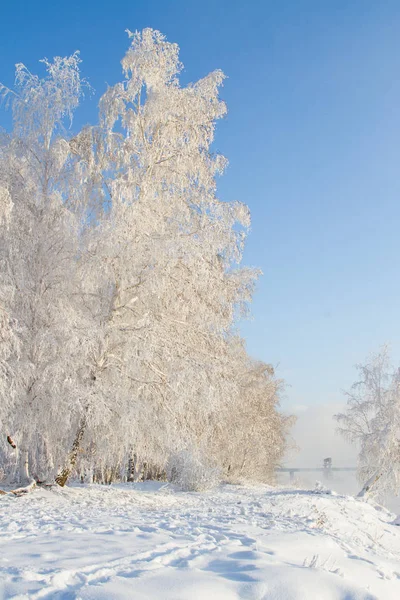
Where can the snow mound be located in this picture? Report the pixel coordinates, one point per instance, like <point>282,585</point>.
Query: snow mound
<point>144,541</point>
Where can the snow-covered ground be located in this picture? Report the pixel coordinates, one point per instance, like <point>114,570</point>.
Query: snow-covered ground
<point>147,541</point>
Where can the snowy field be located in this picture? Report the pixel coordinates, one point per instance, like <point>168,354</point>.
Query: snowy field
<point>145,541</point>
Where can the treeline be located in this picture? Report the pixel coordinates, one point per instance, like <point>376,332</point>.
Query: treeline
<point>120,285</point>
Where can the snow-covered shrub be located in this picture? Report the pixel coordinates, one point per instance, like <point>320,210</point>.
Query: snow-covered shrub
<point>192,472</point>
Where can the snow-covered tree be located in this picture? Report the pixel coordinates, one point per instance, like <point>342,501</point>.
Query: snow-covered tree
<point>38,253</point>
<point>249,435</point>
<point>372,421</point>
<point>9,343</point>
<point>126,285</point>
<point>167,245</point>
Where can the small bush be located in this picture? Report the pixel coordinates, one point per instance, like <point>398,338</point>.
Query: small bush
<point>192,472</point>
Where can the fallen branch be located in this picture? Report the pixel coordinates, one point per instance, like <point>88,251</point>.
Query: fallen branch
<point>20,491</point>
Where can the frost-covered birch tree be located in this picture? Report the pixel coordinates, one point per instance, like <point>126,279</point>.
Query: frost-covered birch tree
<point>172,245</point>
<point>126,277</point>
<point>8,333</point>
<point>372,421</point>
<point>38,253</point>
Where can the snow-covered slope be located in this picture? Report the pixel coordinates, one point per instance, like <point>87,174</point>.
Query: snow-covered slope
<point>148,541</point>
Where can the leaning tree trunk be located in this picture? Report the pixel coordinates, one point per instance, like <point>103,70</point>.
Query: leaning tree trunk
<point>372,481</point>
<point>65,473</point>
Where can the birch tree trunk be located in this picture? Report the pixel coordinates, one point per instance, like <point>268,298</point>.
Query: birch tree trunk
<point>24,467</point>
<point>65,473</point>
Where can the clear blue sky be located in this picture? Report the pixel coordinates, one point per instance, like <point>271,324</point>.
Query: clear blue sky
<point>313,139</point>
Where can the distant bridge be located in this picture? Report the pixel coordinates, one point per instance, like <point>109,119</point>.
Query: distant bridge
<point>327,469</point>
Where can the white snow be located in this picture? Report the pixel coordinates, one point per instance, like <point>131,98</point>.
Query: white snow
<point>149,541</point>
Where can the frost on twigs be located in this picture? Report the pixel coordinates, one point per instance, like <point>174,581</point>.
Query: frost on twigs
<point>5,206</point>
